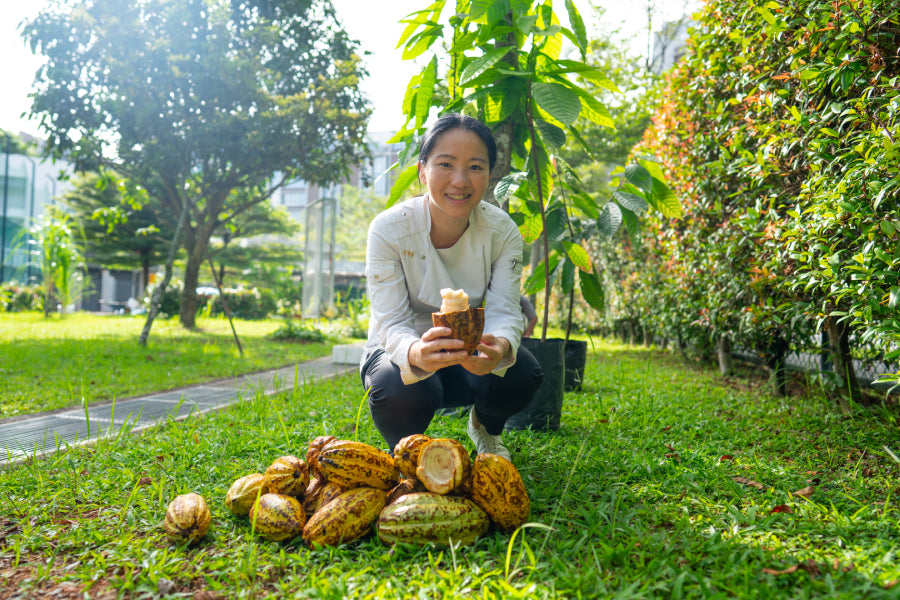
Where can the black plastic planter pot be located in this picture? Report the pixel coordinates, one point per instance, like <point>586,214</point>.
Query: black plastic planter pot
<point>545,409</point>
<point>576,357</point>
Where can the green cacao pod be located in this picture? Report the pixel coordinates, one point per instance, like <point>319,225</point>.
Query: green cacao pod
<point>288,475</point>
<point>187,518</point>
<point>277,517</point>
<point>497,487</point>
<point>244,492</point>
<point>406,453</point>
<point>351,464</point>
<point>346,518</point>
<point>425,517</point>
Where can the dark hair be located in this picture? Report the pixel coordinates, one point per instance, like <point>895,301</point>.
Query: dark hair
<point>457,121</point>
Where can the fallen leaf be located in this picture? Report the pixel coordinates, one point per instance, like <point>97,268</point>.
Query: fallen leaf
<point>604,420</point>
<point>670,447</point>
<point>868,472</point>
<point>673,455</point>
<point>781,508</point>
<point>749,482</point>
<point>781,572</point>
<point>891,584</point>
<point>666,428</point>
<point>726,457</point>
<point>805,492</point>
<point>809,566</point>
<point>143,481</point>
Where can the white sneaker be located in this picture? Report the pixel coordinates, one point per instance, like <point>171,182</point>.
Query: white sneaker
<point>485,443</point>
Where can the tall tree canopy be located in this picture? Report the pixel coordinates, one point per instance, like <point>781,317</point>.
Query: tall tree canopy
<point>195,99</point>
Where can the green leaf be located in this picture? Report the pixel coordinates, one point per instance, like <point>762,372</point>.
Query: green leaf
<point>404,180</point>
<point>895,297</point>
<point>591,289</point>
<point>586,204</point>
<point>632,202</point>
<point>553,135</point>
<point>567,279</point>
<point>525,24</point>
<point>640,177</point>
<point>481,64</point>
<point>531,227</point>
<point>557,224</point>
<point>578,256</point>
<point>426,90</point>
<point>807,74</point>
<point>508,185</point>
<point>610,219</point>
<point>577,24</point>
<point>558,100</point>
<point>593,110</point>
<point>665,201</point>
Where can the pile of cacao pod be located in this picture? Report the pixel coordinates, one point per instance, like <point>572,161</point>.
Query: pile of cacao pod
<point>429,491</point>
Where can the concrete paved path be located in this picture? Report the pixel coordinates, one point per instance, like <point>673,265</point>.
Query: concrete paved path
<point>41,434</point>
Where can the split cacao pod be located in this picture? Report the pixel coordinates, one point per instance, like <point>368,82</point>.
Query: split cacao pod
<point>243,493</point>
<point>351,464</point>
<point>425,517</point>
<point>187,518</point>
<point>497,487</point>
<point>288,475</point>
<point>444,465</point>
<point>346,518</point>
<point>465,325</point>
<point>406,453</point>
<point>277,517</point>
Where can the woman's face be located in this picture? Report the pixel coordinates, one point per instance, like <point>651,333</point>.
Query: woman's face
<point>456,174</point>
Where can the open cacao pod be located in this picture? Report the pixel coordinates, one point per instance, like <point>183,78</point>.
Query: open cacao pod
<point>465,325</point>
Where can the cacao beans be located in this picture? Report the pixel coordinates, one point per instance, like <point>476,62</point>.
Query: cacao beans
<point>187,518</point>
<point>346,518</point>
<point>423,518</point>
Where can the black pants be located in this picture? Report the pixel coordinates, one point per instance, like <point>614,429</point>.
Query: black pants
<point>400,410</point>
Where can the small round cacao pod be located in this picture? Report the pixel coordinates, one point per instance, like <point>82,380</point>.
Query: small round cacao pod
<point>288,475</point>
<point>277,517</point>
<point>244,492</point>
<point>187,518</point>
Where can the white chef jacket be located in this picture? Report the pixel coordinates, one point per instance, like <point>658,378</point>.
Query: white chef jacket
<point>405,275</point>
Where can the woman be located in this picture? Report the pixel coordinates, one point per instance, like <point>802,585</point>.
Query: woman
<point>447,238</point>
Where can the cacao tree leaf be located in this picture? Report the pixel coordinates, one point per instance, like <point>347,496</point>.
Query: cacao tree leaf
<point>480,64</point>
<point>558,100</point>
<point>556,224</point>
<point>586,204</point>
<point>593,110</point>
<point>567,278</point>
<point>531,227</point>
<point>578,256</point>
<point>632,202</point>
<point>508,185</point>
<point>610,219</point>
<point>664,200</point>
<point>426,90</point>
<point>640,177</point>
<point>553,135</point>
<point>404,180</point>
<point>577,25</point>
<point>592,289</point>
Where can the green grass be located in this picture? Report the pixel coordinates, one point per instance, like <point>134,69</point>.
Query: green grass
<point>54,363</point>
<point>638,486</point>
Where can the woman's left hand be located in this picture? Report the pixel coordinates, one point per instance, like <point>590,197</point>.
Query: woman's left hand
<point>490,350</point>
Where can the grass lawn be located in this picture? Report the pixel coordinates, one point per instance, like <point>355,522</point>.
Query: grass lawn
<point>665,481</point>
<point>46,364</point>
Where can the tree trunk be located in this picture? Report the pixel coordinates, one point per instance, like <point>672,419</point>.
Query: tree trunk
<point>161,288</point>
<point>839,344</point>
<point>776,354</point>
<point>196,245</point>
<point>723,349</point>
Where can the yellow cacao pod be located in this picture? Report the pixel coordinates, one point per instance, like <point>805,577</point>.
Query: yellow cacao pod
<point>404,488</point>
<point>346,518</point>
<point>288,475</point>
<point>431,518</point>
<point>312,451</point>
<point>351,464</point>
<point>277,517</point>
<point>443,465</point>
<point>322,495</point>
<point>187,518</point>
<point>406,453</point>
<point>244,492</point>
<point>497,487</point>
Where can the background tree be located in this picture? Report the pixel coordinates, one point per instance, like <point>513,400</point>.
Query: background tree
<point>195,99</point>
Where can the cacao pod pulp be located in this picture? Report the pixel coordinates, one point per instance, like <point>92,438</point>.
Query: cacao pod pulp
<point>277,517</point>
<point>443,465</point>
<point>288,475</point>
<point>406,453</point>
<point>465,325</point>
<point>425,517</point>
<point>187,518</point>
<point>346,518</point>
<point>497,487</point>
<point>244,492</point>
<point>351,464</point>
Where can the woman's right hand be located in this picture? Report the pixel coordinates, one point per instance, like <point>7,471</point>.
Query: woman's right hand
<point>435,350</point>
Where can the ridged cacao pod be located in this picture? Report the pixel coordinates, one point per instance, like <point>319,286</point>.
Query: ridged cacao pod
<point>312,451</point>
<point>351,464</point>
<point>425,517</point>
<point>288,475</point>
<point>497,487</point>
<point>465,325</point>
<point>187,518</point>
<point>277,517</point>
<point>405,487</point>
<point>406,453</point>
<point>443,465</point>
<point>346,518</point>
<point>322,495</point>
<point>244,492</point>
